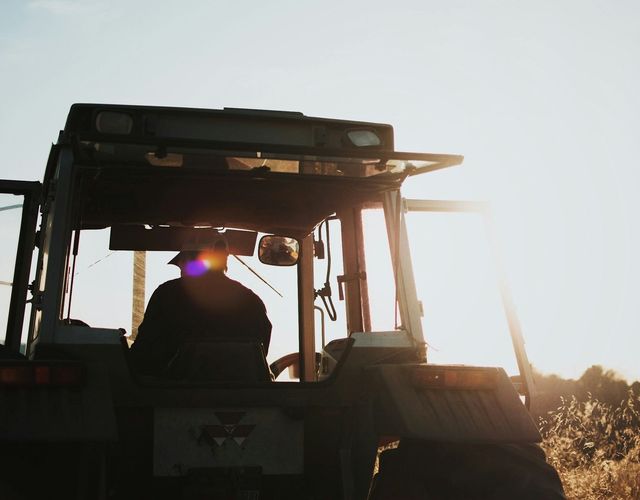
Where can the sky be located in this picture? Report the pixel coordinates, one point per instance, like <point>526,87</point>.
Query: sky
<point>540,97</point>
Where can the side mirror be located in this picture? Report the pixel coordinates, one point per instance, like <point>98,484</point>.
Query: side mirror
<point>278,250</point>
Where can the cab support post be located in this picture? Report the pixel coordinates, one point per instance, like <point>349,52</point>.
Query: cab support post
<point>26,244</point>
<point>407,296</point>
<point>353,273</point>
<point>54,251</point>
<point>306,322</point>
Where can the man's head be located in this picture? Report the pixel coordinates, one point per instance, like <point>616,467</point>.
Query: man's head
<point>199,262</point>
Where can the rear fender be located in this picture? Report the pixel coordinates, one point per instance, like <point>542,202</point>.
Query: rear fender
<point>449,403</point>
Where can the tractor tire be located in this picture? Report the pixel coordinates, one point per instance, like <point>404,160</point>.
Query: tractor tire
<point>453,471</point>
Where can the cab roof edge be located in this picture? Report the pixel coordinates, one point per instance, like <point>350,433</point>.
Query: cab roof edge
<point>264,112</point>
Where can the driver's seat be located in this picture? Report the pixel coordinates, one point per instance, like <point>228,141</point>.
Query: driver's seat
<point>219,360</point>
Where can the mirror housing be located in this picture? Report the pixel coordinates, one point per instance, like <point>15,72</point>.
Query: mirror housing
<point>278,250</point>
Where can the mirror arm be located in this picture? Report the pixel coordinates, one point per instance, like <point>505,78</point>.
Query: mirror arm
<point>254,272</point>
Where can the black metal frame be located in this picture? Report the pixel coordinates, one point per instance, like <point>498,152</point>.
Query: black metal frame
<point>26,243</point>
<point>256,150</point>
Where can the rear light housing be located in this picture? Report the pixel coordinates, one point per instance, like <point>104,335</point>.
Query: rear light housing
<point>450,377</point>
<point>27,374</point>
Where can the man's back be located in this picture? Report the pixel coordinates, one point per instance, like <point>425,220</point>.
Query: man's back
<point>202,307</point>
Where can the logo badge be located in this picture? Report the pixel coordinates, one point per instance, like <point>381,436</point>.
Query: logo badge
<point>229,428</point>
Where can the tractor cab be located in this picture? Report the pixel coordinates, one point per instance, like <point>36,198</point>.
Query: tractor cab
<point>150,182</point>
<point>310,214</point>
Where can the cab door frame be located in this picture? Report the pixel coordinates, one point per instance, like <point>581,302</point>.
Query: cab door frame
<point>32,192</point>
<point>525,383</point>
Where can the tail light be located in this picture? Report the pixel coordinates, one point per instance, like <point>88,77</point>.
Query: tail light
<point>25,374</point>
<point>450,377</point>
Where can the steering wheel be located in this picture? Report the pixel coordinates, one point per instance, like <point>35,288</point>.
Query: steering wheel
<point>292,359</point>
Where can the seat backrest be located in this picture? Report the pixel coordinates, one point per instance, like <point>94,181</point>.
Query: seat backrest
<point>219,360</point>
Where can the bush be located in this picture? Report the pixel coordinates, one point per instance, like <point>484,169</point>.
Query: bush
<point>595,447</point>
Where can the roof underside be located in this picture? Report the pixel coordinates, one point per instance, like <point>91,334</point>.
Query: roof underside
<point>273,203</point>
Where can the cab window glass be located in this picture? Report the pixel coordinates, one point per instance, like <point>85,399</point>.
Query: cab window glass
<point>456,280</point>
<point>99,285</point>
<point>102,290</point>
<point>380,281</point>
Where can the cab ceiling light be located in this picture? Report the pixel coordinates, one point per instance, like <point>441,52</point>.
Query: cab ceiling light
<point>363,138</point>
<point>111,122</point>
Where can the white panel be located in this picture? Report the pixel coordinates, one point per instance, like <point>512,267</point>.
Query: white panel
<point>185,438</point>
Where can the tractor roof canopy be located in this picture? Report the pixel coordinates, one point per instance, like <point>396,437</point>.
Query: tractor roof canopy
<point>277,172</point>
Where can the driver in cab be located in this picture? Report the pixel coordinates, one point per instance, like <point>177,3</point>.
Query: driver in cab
<point>202,305</point>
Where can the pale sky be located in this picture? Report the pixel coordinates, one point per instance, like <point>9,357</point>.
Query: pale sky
<point>541,98</point>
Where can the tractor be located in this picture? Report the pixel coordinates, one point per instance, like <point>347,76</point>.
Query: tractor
<point>338,408</point>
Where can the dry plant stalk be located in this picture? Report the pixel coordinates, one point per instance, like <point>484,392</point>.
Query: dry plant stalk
<point>595,448</point>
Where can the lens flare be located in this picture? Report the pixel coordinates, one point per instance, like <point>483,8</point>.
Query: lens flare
<point>204,262</point>
<point>196,267</point>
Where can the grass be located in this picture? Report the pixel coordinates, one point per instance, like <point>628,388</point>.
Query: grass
<point>595,447</point>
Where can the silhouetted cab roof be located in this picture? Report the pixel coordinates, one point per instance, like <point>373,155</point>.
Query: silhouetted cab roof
<point>272,171</point>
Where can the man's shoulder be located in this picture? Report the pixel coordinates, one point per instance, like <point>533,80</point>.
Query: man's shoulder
<point>241,289</point>
<point>168,286</point>
<point>171,283</point>
<point>238,286</point>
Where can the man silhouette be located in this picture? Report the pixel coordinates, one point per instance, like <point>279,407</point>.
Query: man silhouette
<point>202,304</point>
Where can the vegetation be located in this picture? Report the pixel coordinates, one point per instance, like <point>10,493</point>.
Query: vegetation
<point>592,434</point>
